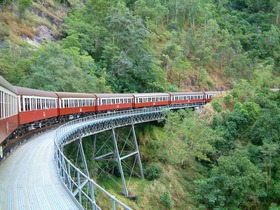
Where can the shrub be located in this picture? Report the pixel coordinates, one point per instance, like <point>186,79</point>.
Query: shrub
<point>165,199</point>
<point>153,171</point>
<point>216,105</point>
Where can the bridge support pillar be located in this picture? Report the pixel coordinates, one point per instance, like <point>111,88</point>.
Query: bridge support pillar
<point>82,184</point>
<point>119,160</point>
<point>120,149</point>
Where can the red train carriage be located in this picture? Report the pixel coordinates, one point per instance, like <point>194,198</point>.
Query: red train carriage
<point>74,104</point>
<point>36,107</point>
<point>114,101</point>
<point>209,95</point>
<point>186,97</point>
<point>151,99</point>
<point>8,110</point>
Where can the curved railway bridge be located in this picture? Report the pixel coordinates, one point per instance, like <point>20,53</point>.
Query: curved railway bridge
<point>28,179</point>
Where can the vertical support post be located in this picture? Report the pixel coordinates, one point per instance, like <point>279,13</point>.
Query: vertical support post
<point>79,185</point>
<point>86,171</point>
<point>138,153</point>
<point>83,156</point>
<point>69,177</point>
<point>91,184</point>
<point>118,159</point>
<point>94,146</point>
<point>113,204</point>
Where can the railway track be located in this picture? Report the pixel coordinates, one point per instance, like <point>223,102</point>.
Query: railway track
<point>29,178</point>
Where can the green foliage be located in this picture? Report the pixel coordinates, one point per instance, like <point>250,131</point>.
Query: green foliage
<point>58,70</point>
<point>152,171</point>
<point>165,199</point>
<point>216,105</point>
<point>232,183</point>
<point>23,5</point>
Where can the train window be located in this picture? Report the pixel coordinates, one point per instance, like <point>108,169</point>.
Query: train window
<point>46,103</point>
<point>76,102</point>
<point>70,102</point>
<point>43,103</point>
<point>27,104</point>
<point>103,101</point>
<point>38,102</point>
<point>21,104</point>
<point>1,104</point>
<point>52,103</point>
<point>49,103</point>
<point>66,103</point>
<point>5,104</point>
<point>153,99</point>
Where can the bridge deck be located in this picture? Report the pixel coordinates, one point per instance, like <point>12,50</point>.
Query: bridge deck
<point>29,180</point>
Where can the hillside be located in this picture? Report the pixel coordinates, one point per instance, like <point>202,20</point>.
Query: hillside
<point>136,46</point>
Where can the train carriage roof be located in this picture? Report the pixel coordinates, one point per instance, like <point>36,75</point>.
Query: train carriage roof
<point>34,92</point>
<point>7,85</point>
<point>113,95</point>
<point>74,95</point>
<point>151,94</point>
<point>187,93</point>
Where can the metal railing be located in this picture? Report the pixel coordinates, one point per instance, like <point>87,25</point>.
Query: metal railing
<point>78,184</point>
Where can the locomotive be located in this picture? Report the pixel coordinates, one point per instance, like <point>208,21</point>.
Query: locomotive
<point>23,109</point>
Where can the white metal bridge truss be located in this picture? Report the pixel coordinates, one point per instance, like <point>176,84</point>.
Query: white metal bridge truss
<point>76,180</point>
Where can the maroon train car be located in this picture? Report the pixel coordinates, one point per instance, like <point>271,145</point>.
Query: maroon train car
<point>186,97</point>
<point>151,99</point>
<point>209,95</point>
<point>75,103</point>
<point>114,101</point>
<point>36,106</point>
<point>8,110</point>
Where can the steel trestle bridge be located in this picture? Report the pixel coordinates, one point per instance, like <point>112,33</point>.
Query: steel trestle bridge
<point>76,180</point>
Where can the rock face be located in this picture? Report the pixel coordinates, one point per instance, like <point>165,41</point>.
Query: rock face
<point>44,34</point>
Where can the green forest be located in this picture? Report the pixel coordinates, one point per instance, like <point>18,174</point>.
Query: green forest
<point>226,157</point>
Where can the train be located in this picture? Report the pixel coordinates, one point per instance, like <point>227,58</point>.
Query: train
<point>23,109</point>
